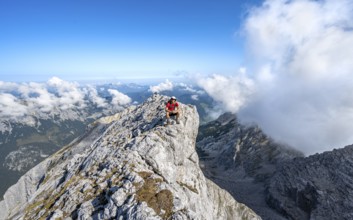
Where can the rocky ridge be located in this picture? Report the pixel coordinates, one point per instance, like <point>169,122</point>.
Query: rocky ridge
<point>316,187</point>
<point>127,166</point>
<point>241,159</point>
<point>274,180</point>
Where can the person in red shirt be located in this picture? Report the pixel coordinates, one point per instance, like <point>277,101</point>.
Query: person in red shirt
<point>172,109</point>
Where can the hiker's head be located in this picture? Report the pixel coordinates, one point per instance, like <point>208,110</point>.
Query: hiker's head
<point>173,98</point>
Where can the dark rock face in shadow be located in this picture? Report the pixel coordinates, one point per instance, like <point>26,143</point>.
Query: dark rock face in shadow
<point>241,160</point>
<point>316,187</point>
<point>276,181</point>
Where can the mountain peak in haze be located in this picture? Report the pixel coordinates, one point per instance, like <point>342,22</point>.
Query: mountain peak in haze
<point>125,166</point>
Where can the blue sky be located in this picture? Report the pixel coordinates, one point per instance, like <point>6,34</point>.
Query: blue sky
<point>119,39</point>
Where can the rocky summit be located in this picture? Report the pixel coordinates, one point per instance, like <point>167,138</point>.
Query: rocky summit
<point>316,187</point>
<point>126,166</point>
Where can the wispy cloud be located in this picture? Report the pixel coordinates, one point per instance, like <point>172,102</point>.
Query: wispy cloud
<point>190,88</point>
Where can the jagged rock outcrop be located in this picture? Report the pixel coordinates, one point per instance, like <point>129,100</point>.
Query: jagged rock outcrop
<point>127,166</point>
<point>241,159</point>
<point>316,187</point>
<point>273,180</point>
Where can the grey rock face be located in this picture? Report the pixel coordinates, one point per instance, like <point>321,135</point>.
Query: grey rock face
<point>241,160</point>
<point>127,166</point>
<point>316,187</point>
<point>276,182</point>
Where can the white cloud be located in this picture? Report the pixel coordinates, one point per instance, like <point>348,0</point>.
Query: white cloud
<point>164,86</point>
<point>38,97</point>
<point>95,98</point>
<point>10,106</point>
<point>21,102</point>
<point>232,92</point>
<point>7,86</point>
<point>119,98</point>
<point>195,97</point>
<point>300,56</point>
<point>69,94</point>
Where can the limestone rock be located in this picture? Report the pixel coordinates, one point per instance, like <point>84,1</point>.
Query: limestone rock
<point>275,181</point>
<point>127,166</point>
<point>241,159</point>
<point>316,187</point>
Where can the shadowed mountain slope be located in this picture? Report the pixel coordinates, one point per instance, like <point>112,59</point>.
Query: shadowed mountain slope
<point>275,181</point>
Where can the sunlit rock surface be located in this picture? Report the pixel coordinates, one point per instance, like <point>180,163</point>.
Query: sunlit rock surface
<point>127,166</point>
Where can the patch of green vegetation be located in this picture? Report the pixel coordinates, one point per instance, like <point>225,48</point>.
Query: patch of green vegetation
<point>46,178</point>
<point>47,203</point>
<point>157,200</point>
<point>145,174</point>
<point>33,208</point>
<point>132,166</point>
<point>112,173</point>
<point>50,202</point>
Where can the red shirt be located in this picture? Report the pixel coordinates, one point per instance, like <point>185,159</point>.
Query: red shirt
<point>171,106</point>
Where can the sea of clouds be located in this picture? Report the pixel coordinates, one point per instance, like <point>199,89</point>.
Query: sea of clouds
<point>298,80</point>
<point>21,102</point>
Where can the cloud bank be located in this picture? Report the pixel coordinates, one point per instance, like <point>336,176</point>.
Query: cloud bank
<point>232,92</point>
<point>300,73</point>
<point>22,102</point>
<point>119,98</point>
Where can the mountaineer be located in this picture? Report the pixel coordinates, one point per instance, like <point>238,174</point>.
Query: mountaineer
<point>172,109</point>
